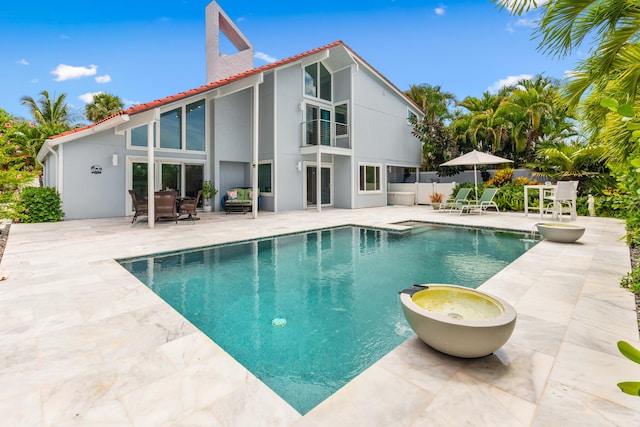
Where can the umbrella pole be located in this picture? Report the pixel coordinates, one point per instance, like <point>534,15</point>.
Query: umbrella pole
<point>475,180</point>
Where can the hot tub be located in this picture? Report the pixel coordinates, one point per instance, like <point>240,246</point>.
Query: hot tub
<point>458,321</point>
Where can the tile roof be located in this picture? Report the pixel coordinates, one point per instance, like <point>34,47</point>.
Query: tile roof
<point>209,86</point>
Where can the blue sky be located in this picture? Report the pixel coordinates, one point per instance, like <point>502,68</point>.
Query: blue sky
<point>149,49</point>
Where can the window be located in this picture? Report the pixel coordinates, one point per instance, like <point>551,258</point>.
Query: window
<point>317,81</point>
<point>342,120</point>
<point>193,177</point>
<point>139,136</point>
<point>171,176</point>
<point>318,125</point>
<point>411,117</point>
<point>195,126</point>
<point>369,178</point>
<point>139,179</point>
<point>265,177</point>
<point>190,117</point>
<point>171,129</point>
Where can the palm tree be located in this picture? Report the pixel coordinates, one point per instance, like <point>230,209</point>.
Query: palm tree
<point>481,127</point>
<point>570,160</point>
<point>49,112</point>
<point>611,25</point>
<point>526,109</point>
<point>103,105</point>
<point>434,102</point>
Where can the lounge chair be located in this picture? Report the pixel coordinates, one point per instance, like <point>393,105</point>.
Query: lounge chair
<point>562,199</point>
<point>140,206</point>
<point>457,201</point>
<point>485,202</point>
<point>190,206</point>
<point>165,205</point>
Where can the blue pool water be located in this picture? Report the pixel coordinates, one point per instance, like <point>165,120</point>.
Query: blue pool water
<point>307,313</point>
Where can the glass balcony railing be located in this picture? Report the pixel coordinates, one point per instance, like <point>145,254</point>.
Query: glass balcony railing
<point>325,132</point>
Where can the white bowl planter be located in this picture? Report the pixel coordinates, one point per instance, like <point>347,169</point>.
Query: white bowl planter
<point>458,321</point>
<point>559,232</point>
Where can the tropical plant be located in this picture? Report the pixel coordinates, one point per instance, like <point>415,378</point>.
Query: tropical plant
<point>500,178</point>
<point>39,204</point>
<point>437,142</point>
<point>633,354</point>
<point>575,161</point>
<point>527,108</point>
<point>438,145</point>
<point>102,106</point>
<point>436,197</point>
<point>434,102</point>
<point>208,191</point>
<point>16,168</point>
<point>51,112</point>
<point>481,127</point>
<point>610,29</point>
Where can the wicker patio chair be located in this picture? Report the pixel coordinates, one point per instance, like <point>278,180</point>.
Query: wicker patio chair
<point>165,205</point>
<point>190,206</point>
<point>140,206</point>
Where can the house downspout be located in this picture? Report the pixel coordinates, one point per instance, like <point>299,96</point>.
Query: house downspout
<point>55,155</point>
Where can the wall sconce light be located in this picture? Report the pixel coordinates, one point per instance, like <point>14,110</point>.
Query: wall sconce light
<point>299,166</point>
<point>114,160</point>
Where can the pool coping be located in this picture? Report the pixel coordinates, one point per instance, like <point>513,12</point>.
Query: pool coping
<point>83,343</point>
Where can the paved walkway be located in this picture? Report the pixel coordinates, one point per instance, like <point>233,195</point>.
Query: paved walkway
<point>82,342</point>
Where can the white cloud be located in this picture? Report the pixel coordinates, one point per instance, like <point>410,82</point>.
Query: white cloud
<point>508,81</point>
<point>129,103</point>
<point>265,57</point>
<point>69,72</point>
<point>88,97</point>
<point>22,62</point>
<point>440,11</point>
<point>523,22</point>
<point>103,79</point>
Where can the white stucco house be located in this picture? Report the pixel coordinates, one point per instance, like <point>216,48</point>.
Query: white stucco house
<point>318,129</point>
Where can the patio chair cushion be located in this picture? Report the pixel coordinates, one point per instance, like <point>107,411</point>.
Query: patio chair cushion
<point>242,202</point>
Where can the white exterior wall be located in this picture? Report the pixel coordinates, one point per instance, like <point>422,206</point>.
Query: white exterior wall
<point>381,134</point>
<point>289,190</point>
<point>232,146</point>
<point>89,195</point>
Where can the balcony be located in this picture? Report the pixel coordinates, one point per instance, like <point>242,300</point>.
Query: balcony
<point>325,132</point>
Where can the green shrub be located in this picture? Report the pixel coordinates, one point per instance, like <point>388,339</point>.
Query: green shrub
<point>39,204</point>
<point>631,281</point>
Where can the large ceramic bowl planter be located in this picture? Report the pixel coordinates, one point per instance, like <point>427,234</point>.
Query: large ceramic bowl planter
<point>558,232</point>
<point>458,321</point>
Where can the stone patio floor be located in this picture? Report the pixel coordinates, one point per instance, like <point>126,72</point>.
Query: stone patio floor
<point>84,343</point>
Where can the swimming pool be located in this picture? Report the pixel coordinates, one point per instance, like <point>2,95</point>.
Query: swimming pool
<point>306,313</point>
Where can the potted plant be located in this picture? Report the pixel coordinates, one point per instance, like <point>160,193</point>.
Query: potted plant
<point>208,192</point>
<point>436,200</point>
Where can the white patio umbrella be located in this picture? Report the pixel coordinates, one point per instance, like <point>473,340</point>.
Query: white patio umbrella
<point>476,158</point>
